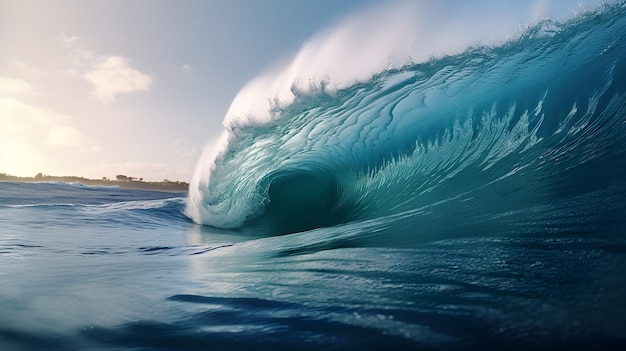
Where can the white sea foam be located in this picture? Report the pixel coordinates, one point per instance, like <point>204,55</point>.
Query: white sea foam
<point>388,36</point>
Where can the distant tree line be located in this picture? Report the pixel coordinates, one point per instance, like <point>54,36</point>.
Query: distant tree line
<point>120,178</point>
<point>123,178</point>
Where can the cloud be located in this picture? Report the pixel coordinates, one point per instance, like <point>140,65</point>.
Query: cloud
<point>64,136</point>
<point>37,125</point>
<point>14,85</point>
<point>68,40</point>
<point>114,75</point>
<point>186,67</point>
<point>109,75</point>
<point>31,136</point>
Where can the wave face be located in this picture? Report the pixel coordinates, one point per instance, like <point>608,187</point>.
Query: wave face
<point>526,135</point>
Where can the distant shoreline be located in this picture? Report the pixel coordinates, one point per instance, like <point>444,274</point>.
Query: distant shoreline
<point>166,185</point>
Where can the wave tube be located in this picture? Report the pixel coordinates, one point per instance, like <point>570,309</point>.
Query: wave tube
<point>486,128</point>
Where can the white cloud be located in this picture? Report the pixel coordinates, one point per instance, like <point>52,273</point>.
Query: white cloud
<point>44,126</point>
<point>31,135</point>
<point>21,159</point>
<point>114,75</point>
<point>64,136</point>
<point>68,40</point>
<point>186,67</point>
<point>14,85</point>
<point>109,75</point>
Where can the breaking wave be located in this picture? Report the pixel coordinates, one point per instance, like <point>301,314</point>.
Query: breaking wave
<point>510,126</point>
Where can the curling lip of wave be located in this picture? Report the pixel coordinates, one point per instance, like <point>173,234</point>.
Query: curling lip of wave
<point>412,137</point>
<point>392,35</point>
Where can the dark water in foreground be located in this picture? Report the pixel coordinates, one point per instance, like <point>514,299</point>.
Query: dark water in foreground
<point>98,268</point>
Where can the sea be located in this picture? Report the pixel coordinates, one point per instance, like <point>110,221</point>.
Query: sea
<point>472,201</point>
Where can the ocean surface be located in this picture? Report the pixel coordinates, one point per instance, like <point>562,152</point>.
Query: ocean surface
<point>474,200</point>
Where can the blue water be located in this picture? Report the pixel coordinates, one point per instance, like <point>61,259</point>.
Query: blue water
<point>475,200</point>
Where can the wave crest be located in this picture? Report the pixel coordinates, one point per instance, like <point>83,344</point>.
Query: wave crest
<point>474,125</point>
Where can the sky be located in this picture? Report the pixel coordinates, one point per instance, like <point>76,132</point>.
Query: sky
<point>100,88</point>
<point>140,87</point>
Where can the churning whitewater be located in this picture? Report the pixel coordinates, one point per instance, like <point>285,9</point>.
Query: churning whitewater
<point>500,136</point>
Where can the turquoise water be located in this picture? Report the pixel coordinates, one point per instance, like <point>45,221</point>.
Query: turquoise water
<point>494,132</point>
<point>473,201</point>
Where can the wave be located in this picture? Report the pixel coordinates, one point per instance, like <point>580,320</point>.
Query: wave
<point>168,209</point>
<point>44,201</point>
<point>110,207</point>
<point>493,129</point>
<point>137,205</point>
